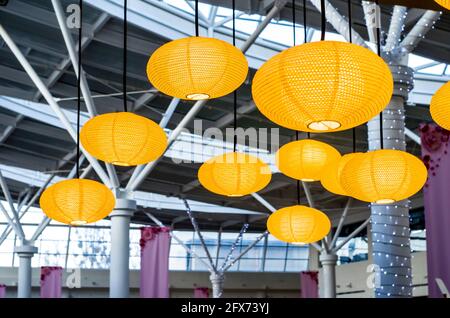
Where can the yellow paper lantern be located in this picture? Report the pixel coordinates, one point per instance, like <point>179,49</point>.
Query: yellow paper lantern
<point>383,176</point>
<point>234,174</point>
<point>77,201</point>
<point>444,3</point>
<point>197,68</point>
<point>298,224</point>
<point>440,107</point>
<point>331,178</point>
<point>123,139</point>
<point>323,86</point>
<point>305,159</point>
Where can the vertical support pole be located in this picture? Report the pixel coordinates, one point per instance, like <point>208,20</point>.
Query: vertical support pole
<point>391,249</point>
<point>328,262</point>
<point>217,280</point>
<point>25,253</point>
<point>119,274</point>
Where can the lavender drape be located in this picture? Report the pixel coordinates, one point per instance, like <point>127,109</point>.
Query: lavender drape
<point>155,244</point>
<point>309,284</point>
<point>436,156</point>
<point>51,281</point>
<point>201,292</point>
<point>2,291</point>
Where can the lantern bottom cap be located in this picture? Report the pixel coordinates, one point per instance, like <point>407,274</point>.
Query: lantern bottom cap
<point>308,180</point>
<point>385,201</point>
<point>197,96</point>
<point>78,222</point>
<point>235,195</point>
<point>121,163</point>
<point>324,125</point>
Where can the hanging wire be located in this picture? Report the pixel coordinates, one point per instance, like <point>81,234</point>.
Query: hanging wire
<point>378,24</point>
<point>350,36</point>
<point>324,20</point>
<point>296,132</point>
<point>350,24</point>
<point>80,35</point>
<point>197,32</point>
<point>305,30</point>
<point>235,91</point>
<point>293,23</point>
<point>125,54</point>
<point>298,181</point>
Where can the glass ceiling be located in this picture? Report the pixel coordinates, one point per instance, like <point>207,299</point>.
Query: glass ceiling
<point>280,32</point>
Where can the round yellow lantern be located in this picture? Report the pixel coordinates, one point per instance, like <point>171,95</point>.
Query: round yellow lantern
<point>77,201</point>
<point>305,160</point>
<point>197,68</point>
<point>383,176</point>
<point>298,224</point>
<point>444,3</point>
<point>440,107</point>
<point>331,178</point>
<point>323,86</point>
<point>234,174</point>
<point>123,139</point>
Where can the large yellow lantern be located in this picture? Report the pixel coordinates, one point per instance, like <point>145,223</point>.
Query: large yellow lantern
<point>383,176</point>
<point>298,224</point>
<point>440,107</point>
<point>77,201</point>
<point>305,160</point>
<point>444,3</point>
<point>234,174</point>
<point>197,68</point>
<point>323,86</point>
<point>123,139</point>
<point>331,178</point>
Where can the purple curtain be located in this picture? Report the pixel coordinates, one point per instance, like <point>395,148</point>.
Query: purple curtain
<point>436,156</point>
<point>309,284</point>
<point>155,244</point>
<point>201,292</point>
<point>2,291</point>
<point>51,281</point>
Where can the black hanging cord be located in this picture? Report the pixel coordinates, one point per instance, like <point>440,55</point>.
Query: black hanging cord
<point>197,32</point>
<point>324,20</point>
<point>125,54</point>
<point>305,30</point>
<point>354,139</point>
<point>293,23</point>
<point>379,54</point>
<point>80,35</point>
<point>350,35</point>
<point>298,181</point>
<point>235,92</point>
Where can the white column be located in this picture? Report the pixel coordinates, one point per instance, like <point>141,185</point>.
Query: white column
<point>119,274</point>
<point>217,280</point>
<point>25,253</point>
<point>328,262</point>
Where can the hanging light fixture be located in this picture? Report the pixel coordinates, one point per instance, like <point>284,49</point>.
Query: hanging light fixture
<point>123,138</point>
<point>331,177</point>
<point>77,201</point>
<point>322,86</point>
<point>234,174</point>
<point>383,176</point>
<point>440,107</point>
<point>444,3</point>
<point>298,224</point>
<point>197,68</point>
<point>305,160</point>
